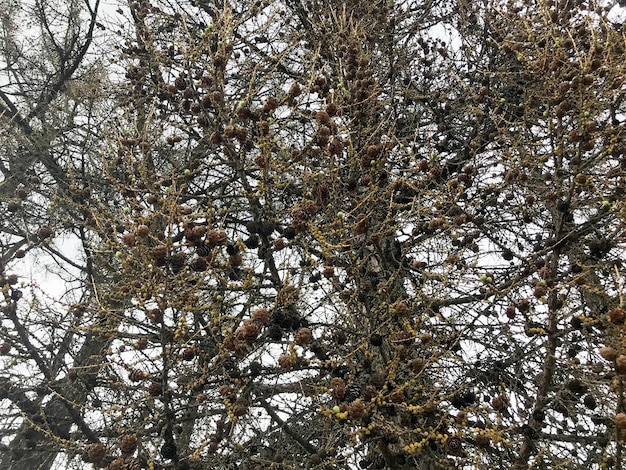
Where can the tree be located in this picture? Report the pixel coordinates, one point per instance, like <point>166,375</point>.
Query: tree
<point>51,113</point>
<point>333,235</point>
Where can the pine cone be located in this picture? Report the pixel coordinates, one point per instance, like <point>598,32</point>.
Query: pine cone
<point>353,392</point>
<point>177,261</point>
<point>249,330</point>
<point>128,444</point>
<point>356,409</point>
<point>155,389</point>
<point>199,264</point>
<point>216,237</point>
<point>96,452</point>
<point>203,250</point>
<point>303,336</point>
<point>261,315</point>
<point>169,450</point>
<point>285,362</point>
<point>136,375</point>
<point>117,464</point>
<point>339,387</point>
<point>454,445</point>
<point>132,464</point>
<point>159,252</point>
<point>188,354</point>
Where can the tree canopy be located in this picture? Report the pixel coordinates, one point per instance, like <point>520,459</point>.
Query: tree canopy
<point>312,234</point>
